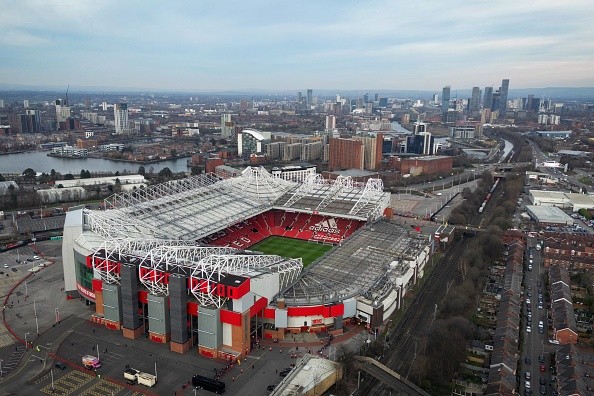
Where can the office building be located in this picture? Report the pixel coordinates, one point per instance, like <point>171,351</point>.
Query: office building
<point>120,114</point>
<point>466,131</point>
<point>1,104</point>
<point>26,104</point>
<point>296,173</point>
<point>422,143</point>
<point>503,90</point>
<point>474,105</point>
<point>445,99</point>
<point>309,102</point>
<point>488,98</point>
<point>419,127</point>
<point>30,122</point>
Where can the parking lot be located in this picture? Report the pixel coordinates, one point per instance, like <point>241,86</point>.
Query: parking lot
<point>75,336</point>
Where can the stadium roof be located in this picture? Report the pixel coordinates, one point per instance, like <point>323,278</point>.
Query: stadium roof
<point>195,207</point>
<point>367,264</point>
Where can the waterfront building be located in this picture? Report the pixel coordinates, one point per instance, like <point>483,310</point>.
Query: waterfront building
<point>120,112</point>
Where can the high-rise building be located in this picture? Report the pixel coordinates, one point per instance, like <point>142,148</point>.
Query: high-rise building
<point>419,127</point>
<point>309,99</point>
<point>445,98</point>
<point>299,99</point>
<point>120,115</point>
<point>423,143</point>
<point>346,154</point>
<point>227,128</point>
<point>488,98</point>
<point>474,105</point>
<point>26,104</point>
<point>62,112</point>
<point>503,90</point>
<point>30,122</point>
<point>104,106</point>
<point>1,104</point>
<point>330,122</point>
<point>372,151</point>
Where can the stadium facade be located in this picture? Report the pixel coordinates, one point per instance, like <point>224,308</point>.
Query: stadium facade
<point>172,261</point>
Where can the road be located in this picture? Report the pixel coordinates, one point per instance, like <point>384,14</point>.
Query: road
<point>535,352</point>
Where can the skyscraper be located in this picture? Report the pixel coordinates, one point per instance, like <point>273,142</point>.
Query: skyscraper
<point>445,99</point>
<point>475,101</point>
<point>309,99</point>
<point>488,98</point>
<point>330,122</point>
<point>227,130</point>
<point>503,97</point>
<point>120,115</point>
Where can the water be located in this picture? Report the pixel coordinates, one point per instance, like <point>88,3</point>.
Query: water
<point>40,162</point>
<point>508,147</point>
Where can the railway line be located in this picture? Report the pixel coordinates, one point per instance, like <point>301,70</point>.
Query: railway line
<point>403,345</point>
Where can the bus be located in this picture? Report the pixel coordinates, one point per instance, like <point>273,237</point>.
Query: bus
<point>209,384</point>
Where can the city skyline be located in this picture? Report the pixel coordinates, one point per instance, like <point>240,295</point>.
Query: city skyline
<point>325,46</point>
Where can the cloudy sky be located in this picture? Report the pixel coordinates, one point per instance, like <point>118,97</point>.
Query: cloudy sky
<point>290,45</point>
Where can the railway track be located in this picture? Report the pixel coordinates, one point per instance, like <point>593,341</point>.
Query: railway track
<point>419,315</point>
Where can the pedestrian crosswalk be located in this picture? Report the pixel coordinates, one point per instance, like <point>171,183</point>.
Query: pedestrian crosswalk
<point>9,364</point>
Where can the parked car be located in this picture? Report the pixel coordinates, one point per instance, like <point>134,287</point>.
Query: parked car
<point>60,366</point>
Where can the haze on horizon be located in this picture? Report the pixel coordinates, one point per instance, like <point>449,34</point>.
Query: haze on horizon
<point>280,46</point>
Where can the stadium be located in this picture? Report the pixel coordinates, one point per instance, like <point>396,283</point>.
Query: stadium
<point>211,263</point>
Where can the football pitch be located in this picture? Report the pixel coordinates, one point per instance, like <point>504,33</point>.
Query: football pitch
<point>294,248</point>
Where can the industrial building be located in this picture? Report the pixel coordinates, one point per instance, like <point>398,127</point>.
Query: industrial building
<point>563,200</point>
<point>173,262</point>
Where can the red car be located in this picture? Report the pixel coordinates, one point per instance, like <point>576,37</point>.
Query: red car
<point>543,368</point>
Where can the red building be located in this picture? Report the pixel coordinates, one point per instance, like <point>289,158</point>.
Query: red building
<point>421,165</point>
<point>346,154</point>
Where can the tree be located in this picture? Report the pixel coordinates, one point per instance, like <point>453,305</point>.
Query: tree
<point>29,173</point>
<point>585,213</point>
<point>173,152</point>
<point>165,173</point>
<point>2,178</point>
<point>141,170</point>
<point>68,176</point>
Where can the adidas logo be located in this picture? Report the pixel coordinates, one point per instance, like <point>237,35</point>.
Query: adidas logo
<point>329,226</point>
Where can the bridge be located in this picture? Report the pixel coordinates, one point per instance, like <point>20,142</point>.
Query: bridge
<point>388,377</point>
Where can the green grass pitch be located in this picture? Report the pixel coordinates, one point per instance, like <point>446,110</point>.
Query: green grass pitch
<point>294,248</point>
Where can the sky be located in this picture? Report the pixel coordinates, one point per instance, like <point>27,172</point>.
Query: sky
<point>295,45</point>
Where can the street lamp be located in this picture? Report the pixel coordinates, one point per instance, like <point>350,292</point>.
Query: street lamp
<point>35,313</point>
<point>1,373</point>
<point>57,313</point>
<point>26,344</point>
